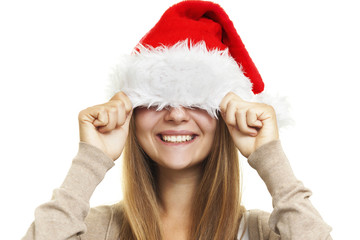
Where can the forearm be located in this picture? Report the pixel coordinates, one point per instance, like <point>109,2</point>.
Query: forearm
<point>293,217</point>
<point>63,216</point>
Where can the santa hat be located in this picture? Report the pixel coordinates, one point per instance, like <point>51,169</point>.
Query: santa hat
<point>192,57</point>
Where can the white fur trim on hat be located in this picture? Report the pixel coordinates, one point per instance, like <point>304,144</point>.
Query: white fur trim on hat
<point>180,75</point>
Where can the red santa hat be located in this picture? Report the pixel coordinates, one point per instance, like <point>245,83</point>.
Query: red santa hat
<point>192,57</point>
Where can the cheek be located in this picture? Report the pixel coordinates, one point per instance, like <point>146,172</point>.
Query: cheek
<point>145,120</point>
<point>207,124</point>
<point>211,126</point>
<point>210,138</point>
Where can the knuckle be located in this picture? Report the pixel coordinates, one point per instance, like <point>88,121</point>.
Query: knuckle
<point>112,109</point>
<point>101,109</point>
<point>252,111</point>
<point>222,107</point>
<point>232,104</point>
<point>231,94</point>
<point>121,104</point>
<point>118,95</point>
<point>241,111</point>
<point>117,103</point>
<point>81,114</point>
<point>269,108</point>
<point>84,112</point>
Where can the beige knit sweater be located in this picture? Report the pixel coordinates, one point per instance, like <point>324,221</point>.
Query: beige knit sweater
<point>68,215</point>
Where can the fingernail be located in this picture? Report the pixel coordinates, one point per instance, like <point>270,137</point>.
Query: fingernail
<point>253,134</point>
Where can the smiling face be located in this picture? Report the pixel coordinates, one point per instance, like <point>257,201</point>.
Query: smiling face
<point>175,138</point>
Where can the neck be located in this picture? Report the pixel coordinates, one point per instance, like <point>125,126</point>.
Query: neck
<point>176,191</point>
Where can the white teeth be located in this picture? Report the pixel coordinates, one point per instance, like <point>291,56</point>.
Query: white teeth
<point>177,139</point>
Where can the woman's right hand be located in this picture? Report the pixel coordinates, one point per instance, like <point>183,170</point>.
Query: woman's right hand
<point>106,126</point>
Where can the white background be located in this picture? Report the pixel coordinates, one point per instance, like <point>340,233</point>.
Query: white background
<point>55,58</point>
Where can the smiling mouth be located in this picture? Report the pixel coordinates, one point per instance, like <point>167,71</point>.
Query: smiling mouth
<point>177,138</point>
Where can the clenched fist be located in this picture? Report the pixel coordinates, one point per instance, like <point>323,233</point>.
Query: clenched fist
<point>106,126</point>
<point>251,125</point>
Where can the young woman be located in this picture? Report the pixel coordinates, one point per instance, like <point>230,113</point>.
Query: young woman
<point>180,120</point>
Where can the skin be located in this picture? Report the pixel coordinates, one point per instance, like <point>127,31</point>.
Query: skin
<point>250,124</point>
<point>106,126</point>
<point>175,156</point>
<point>178,163</point>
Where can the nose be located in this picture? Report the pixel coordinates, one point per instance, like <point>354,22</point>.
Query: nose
<point>177,115</point>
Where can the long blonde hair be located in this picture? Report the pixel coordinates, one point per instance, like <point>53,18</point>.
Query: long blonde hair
<point>217,209</point>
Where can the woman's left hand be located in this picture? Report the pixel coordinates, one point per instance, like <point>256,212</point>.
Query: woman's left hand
<point>251,125</point>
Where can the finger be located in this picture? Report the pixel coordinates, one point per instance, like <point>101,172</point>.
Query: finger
<point>118,96</point>
<point>122,117</point>
<point>241,121</point>
<point>127,104</point>
<point>252,119</point>
<point>230,97</point>
<point>224,102</point>
<point>229,116</point>
<point>112,113</point>
<point>228,106</point>
<point>123,99</point>
<point>100,116</point>
<point>124,109</point>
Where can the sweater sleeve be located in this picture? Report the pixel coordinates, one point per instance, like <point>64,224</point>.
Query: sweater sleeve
<point>64,215</point>
<point>293,216</point>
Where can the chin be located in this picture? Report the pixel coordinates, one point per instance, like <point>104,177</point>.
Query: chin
<point>177,163</point>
